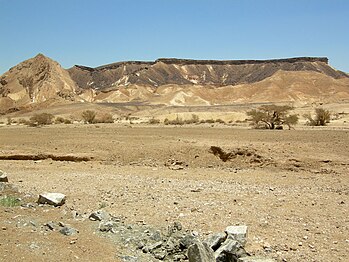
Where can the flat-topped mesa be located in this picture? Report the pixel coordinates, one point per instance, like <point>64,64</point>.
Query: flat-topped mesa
<point>178,61</point>
<point>116,65</point>
<point>165,71</point>
<point>240,62</point>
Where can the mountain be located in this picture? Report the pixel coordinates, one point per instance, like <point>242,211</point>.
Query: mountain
<point>192,72</point>
<point>169,81</point>
<point>35,81</point>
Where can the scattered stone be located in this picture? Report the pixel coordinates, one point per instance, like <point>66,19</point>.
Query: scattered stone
<point>50,225</point>
<point>68,231</point>
<point>154,246</point>
<point>3,176</point>
<point>200,252</point>
<point>156,236</point>
<point>99,215</point>
<point>55,199</point>
<point>160,254</point>
<point>238,233</point>
<point>33,246</point>
<point>106,226</point>
<point>215,240</point>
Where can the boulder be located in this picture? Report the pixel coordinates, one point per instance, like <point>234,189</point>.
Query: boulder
<point>200,252</point>
<point>3,176</point>
<point>99,215</point>
<point>55,199</point>
<point>186,241</point>
<point>229,251</point>
<point>106,226</point>
<point>215,240</point>
<point>239,233</point>
<point>68,231</point>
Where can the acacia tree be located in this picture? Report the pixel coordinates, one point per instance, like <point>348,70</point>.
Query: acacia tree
<point>272,117</point>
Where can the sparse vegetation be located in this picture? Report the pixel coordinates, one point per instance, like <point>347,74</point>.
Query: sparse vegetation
<point>41,119</point>
<point>9,121</point>
<point>89,116</point>
<point>154,121</point>
<point>322,117</point>
<point>23,121</point>
<point>272,117</point>
<point>9,201</point>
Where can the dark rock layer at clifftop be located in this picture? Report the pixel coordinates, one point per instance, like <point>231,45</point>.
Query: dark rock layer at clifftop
<point>165,71</point>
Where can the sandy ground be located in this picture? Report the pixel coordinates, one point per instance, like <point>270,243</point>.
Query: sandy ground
<point>289,187</point>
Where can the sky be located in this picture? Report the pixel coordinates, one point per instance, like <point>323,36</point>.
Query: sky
<point>98,32</point>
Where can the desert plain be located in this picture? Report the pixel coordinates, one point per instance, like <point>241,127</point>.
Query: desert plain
<point>290,187</point>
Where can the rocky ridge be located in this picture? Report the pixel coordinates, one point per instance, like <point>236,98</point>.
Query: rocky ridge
<point>170,81</point>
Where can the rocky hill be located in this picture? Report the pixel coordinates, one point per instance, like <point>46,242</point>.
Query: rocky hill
<point>172,81</point>
<point>35,81</point>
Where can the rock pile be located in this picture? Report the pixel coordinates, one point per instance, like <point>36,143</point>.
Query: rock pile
<point>144,243</point>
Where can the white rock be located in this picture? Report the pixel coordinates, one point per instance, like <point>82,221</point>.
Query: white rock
<point>239,233</point>
<point>3,176</point>
<point>55,199</point>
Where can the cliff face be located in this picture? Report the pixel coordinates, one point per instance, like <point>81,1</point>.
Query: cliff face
<point>191,72</point>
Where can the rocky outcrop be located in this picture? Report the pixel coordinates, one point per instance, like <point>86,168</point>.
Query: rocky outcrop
<point>36,80</point>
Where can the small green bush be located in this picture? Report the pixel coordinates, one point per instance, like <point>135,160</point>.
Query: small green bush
<point>9,201</point>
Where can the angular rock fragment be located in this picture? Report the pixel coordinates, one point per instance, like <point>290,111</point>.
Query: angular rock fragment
<point>186,241</point>
<point>238,233</point>
<point>68,231</point>
<point>106,226</point>
<point>230,250</point>
<point>55,199</point>
<point>99,215</point>
<point>215,240</point>
<point>3,176</point>
<point>200,252</point>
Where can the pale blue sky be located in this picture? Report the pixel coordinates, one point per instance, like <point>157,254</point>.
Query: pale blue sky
<point>97,32</point>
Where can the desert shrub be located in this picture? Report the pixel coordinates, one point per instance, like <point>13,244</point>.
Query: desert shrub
<point>208,121</point>
<point>321,118</point>
<point>62,120</point>
<point>89,116</point>
<point>154,121</point>
<point>9,121</point>
<point>177,121</point>
<point>218,120</point>
<point>59,120</point>
<point>41,119</point>
<point>23,121</point>
<point>105,118</point>
<point>193,120</point>
<point>272,117</point>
